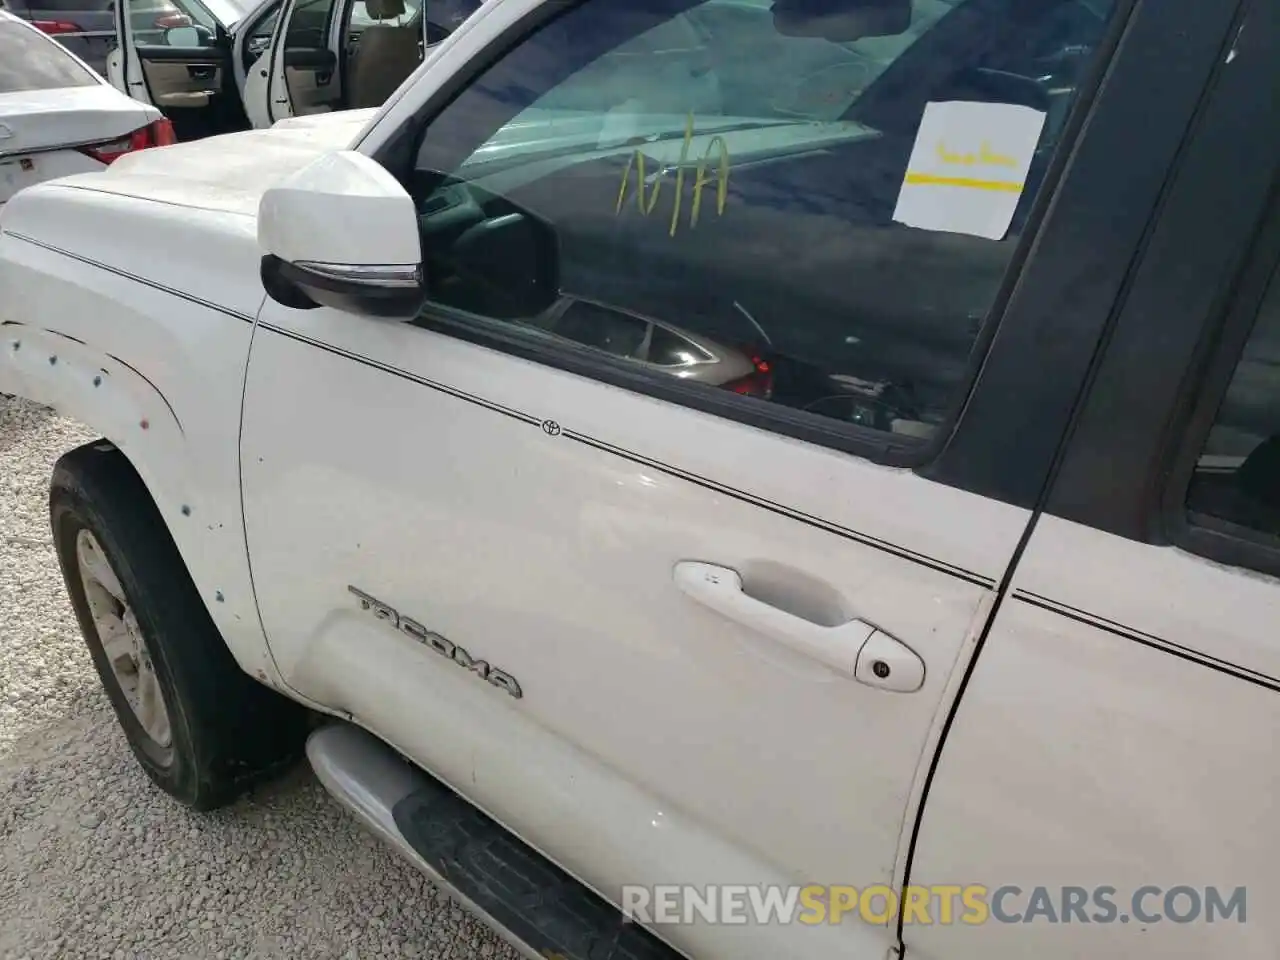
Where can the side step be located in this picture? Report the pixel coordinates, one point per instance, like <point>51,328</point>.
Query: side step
<point>530,902</point>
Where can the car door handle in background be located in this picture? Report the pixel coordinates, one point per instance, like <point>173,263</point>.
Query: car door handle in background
<point>855,649</point>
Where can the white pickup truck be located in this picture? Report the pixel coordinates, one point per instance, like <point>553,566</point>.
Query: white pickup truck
<point>705,490</point>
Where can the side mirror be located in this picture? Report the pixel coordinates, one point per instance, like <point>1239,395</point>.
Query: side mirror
<point>342,233</point>
<point>186,37</point>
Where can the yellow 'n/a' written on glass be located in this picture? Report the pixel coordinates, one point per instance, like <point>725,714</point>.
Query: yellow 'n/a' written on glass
<point>647,199</point>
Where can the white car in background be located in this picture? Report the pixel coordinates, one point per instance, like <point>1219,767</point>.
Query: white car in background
<point>58,117</point>
<point>239,64</point>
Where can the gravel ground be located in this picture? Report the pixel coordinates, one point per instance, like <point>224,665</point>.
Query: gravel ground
<point>96,862</point>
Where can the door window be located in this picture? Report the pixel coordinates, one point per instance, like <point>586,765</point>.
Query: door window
<point>723,170</point>
<point>175,23</point>
<point>308,26</point>
<point>260,34</point>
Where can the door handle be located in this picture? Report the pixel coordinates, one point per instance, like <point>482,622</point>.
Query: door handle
<point>854,648</point>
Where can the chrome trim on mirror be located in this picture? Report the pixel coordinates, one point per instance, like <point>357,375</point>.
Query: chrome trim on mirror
<point>383,276</point>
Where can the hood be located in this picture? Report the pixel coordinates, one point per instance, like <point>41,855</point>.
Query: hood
<point>341,117</point>
<point>227,173</point>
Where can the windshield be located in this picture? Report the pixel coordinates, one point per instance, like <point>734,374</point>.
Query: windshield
<point>29,61</point>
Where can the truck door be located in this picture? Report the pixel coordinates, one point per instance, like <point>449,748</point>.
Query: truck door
<point>708,463</point>
<point>1110,772</point>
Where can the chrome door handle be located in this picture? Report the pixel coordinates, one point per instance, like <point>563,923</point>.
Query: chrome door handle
<point>855,649</point>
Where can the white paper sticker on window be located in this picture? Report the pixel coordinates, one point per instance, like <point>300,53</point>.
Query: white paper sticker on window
<point>968,167</point>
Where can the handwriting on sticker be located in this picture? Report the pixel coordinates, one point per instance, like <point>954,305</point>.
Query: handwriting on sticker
<point>985,155</point>
<point>647,199</point>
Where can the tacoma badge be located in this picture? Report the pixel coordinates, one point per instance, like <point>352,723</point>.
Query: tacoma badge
<point>439,644</point>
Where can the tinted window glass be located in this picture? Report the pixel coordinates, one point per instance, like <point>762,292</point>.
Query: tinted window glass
<point>1237,477</point>
<point>29,61</point>
<point>308,27</point>
<point>719,167</point>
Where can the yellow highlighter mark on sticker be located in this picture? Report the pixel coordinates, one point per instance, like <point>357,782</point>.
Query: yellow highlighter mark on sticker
<point>973,183</point>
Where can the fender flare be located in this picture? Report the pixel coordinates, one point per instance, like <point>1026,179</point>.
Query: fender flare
<point>120,404</point>
<point>101,391</point>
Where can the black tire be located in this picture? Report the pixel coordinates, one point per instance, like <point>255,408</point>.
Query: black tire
<point>227,731</point>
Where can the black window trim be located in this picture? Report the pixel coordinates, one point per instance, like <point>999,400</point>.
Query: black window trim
<point>1190,309</point>
<point>1188,29</point>
<point>1221,350</point>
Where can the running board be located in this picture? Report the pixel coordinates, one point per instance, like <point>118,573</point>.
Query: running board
<point>530,902</point>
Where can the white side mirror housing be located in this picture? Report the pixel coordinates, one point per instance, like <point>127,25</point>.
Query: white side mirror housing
<point>342,232</point>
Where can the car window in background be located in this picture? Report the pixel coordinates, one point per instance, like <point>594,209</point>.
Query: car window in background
<point>152,21</point>
<point>308,26</point>
<point>198,14</point>
<point>28,61</point>
<point>260,37</point>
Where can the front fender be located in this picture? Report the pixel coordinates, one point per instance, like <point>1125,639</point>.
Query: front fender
<point>108,333</point>
<point>105,393</point>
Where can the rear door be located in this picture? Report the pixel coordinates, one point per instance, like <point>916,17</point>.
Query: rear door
<point>302,63</point>
<point>1110,774</point>
<point>181,61</point>
<point>679,574</point>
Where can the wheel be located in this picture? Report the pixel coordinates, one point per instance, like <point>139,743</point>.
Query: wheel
<point>202,729</point>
